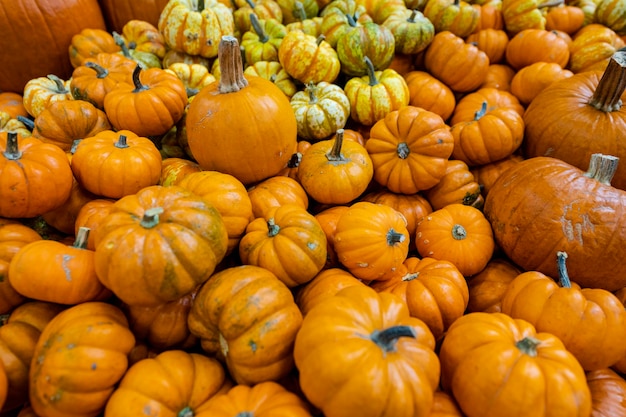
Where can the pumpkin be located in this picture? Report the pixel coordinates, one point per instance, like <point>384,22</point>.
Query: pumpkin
<point>471,103</point>
<point>143,36</point>
<point>371,240</point>
<point>61,123</point>
<point>162,327</point>
<point>63,218</point>
<point>532,79</point>
<point>335,171</point>
<point>512,350</point>
<point>461,66</point>
<point>536,45</point>
<point>115,164</point>
<point>444,405</point>
<point>310,26</point>
<point>457,233</point>
<point>89,215</point>
<point>376,94</point>
<point>53,25</point>
<point>375,335</point>
<point>381,10</point>
<point>197,378</point>
<point>323,286</point>
<point>287,241</point>
<point>487,288</point>
<point>489,137</point>
<point>275,192</point>
<point>412,31</point>
<point>183,239</point>
<point>610,14</point>
<point>486,175</point>
<point>456,186</point>
<point>409,149</point>
<point>308,58</point>
<point>91,337</point>
<point>262,41</point>
<point>172,56</point>
<point>274,72</point>
<point>117,13</point>
<point>195,27</point>
<point>566,311</point>
<point>194,76</point>
<point>499,76</point>
<point>586,103</point>
<point>22,125</point>
<point>456,16</point>
<point>265,399</point>
<point>36,176</point>
<point>490,16</point>
<point>88,43</point>
<point>520,15</point>
<point>12,103</point>
<point>327,219</point>
<point>592,47</point>
<point>19,333</point>
<point>150,106</point>
<point>583,219</point>
<point>40,92</point>
<point>339,17</point>
<point>97,76</point>
<point>566,18</point>
<point>173,170</point>
<point>248,318</point>
<point>434,291</point>
<point>222,136</point>
<point>493,42</point>
<point>429,93</point>
<point>263,9</point>
<point>294,10</point>
<point>608,390</point>
<point>13,236</point>
<point>371,40</point>
<point>320,110</point>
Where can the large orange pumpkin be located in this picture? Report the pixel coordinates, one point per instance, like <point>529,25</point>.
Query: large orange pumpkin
<point>118,12</point>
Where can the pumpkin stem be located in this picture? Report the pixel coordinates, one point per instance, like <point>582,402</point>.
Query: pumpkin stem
<point>320,39</point>
<point>251,4</point>
<point>608,92</point>
<point>295,160</point>
<point>81,238</point>
<point>26,121</point>
<point>459,232</point>
<point>528,345</point>
<point>564,280</point>
<point>200,6</point>
<point>151,217</point>
<point>311,88</point>
<point>191,91</point>
<point>403,150</point>
<point>231,66</point>
<point>121,142</point>
<point>186,412</point>
<point>119,41</point>
<point>12,151</point>
<point>59,85</point>
<point>101,72</point>
<point>602,168</point>
<point>335,152</point>
<point>272,228</point>
<point>298,11</point>
<point>386,339</point>
<point>550,3</point>
<point>480,113</point>
<point>245,414</point>
<point>411,18</point>
<point>394,237</point>
<point>4,318</point>
<point>258,29</point>
<point>351,20</point>
<point>371,71</point>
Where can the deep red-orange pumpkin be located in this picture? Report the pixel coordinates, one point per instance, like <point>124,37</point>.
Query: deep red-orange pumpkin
<point>119,12</point>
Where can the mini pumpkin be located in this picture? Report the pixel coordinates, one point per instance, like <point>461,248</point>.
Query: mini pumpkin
<point>308,58</point>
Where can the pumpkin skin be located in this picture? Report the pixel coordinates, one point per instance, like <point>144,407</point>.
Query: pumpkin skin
<point>42,91</point>
<point>486,175</point>
<point>18,337</point>
<point>371,240</point>
<point>536,45</point>
<point>435,292</point>
<point>471,103</point>
<point>174,169</point>
<point>89,43</point>
<point>248,318</point>
<point>487,288</point>
<point>457,233</point>
<point>228,195</point>
<point>56,24</point>
<point>114,164</point>
<point>36,176</point>
<point>90,338</point>
<point>457,186</point>
<point>197,378</point>
<point>515,351</point>
<point>366,40</point>
<point>430,94</point>
<point>223,138</point>
<point>328,218</point>
<point>324,285</point>
<point>592,47</point>
<point>287,241</point>
<point>355,324</point>
<point>444,405</point>
<point>172,226</point>
<point>532,79</point>
<point>266,399</point>
<point>456,16</point>
<point>493,42</point>
<point>409,148</point>
<point>583,219</point>
<point>308,59</point>
<point>275,192</point>
<point>89,215</point>
<point>608,393</point>
<point>579,105</point>
<point>567,311</point>
<point>117,13</point>
<point>12,103</point>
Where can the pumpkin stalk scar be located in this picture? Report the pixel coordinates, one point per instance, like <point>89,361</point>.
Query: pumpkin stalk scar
<point>386,339</point>
<point>185,412</point>
<point>528,345</point>
<point>394,237</point>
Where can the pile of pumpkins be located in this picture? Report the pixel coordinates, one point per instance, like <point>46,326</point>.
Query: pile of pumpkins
<point>375,208</point>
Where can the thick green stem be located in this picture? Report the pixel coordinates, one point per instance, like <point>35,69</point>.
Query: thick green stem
<point>564,280</point>
<point>394,237</point>
<point>186,412</point>
<point>371,71</point>
<point>386,339</point>
<point>12,151</point>
<point>81,237</point>
<point>101,72</point>
<point>480,113</point>
<point>602,168</point>
<point>119,41</point>
<point>200,6</point>
<point>528,345</point>
<point>311,88</point>
<point>459,232</point>
<point>121,142</point>
<point>137,80</point>
<point>258,29</point>
<point>151,217</point>
<point>26,121</point>
<point>272,228</point>
<point>59,85</point>
<point>298,11</point>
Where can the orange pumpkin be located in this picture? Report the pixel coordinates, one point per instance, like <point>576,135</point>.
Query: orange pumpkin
<point>324,285</point>
<point>117,13</point>
<point>536,45</point>
<point>89,215</point>
<point>532,79</point>
<point>430,94</point>
<point>493,42</point>
<point>327,219</point>
<point>274,192</point>
<point>173,170</point>
<point>486,175</point>
<point>608,391</point>
<point>457,185</point>
<point>12,103</point>
<point>499,76</point>
<point>487,288</point>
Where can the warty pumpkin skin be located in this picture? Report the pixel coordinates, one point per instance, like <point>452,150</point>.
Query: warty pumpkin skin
<point>91,339</point>
<point>174,239</point>
<point>388,366</point>
<point>181,384</point>
<point>36,176</point>
<point>571,211</point>
<point>517,367</point>
<point>241,126</point>
<point>586,117</point>
<point>36,36</point>
<point>248,318</point>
